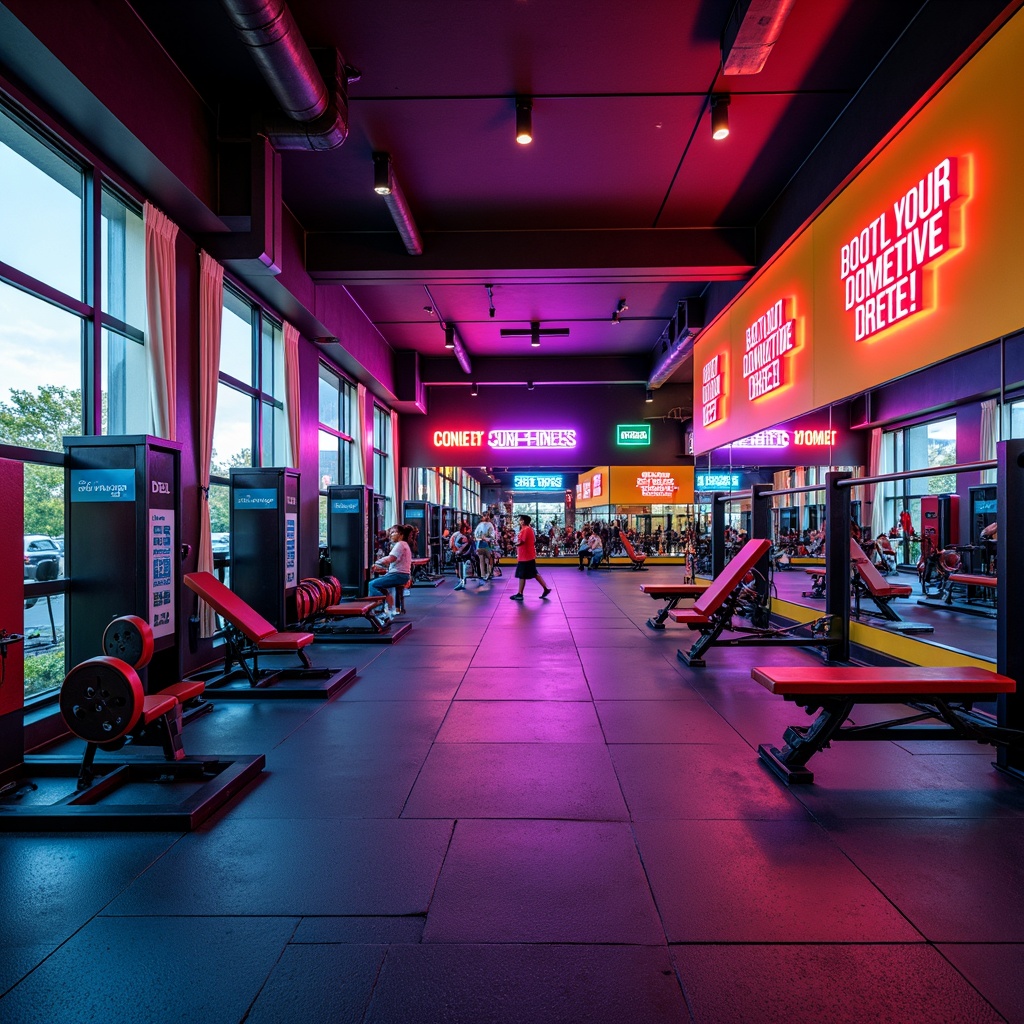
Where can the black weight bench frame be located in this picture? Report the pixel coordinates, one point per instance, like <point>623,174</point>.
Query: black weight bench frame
<point>943,697</point>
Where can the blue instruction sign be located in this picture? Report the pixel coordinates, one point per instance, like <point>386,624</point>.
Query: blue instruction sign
<point>102,485</point>
<point>255,497</point>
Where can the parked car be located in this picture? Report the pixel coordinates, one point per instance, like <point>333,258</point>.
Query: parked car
<point>220,543</point>
<point>39,550</point>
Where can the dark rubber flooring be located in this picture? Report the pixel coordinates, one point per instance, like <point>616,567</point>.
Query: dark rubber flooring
<point>532,813</point>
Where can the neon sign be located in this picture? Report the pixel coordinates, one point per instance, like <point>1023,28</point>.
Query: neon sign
<point>770,337</point>
<point>778,439</point>
<point>632,435</point>
<point>526,482</point>
<point>717,481</point>
<point>541,440</point>
<point>882,267</point>
<point>656,484</point>
<point>712,391</point>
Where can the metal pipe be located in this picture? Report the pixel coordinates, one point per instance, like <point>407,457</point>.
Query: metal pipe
<point>725,499</point>
<point>917,474</point>
<point>808,489</point>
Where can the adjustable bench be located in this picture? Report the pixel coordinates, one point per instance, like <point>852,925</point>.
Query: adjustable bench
<point>671,594</point>
<point>869,582</point>
<point>246,635</point>
<point>712,613</point>
<point>940,696</point>
<point>636,561</point>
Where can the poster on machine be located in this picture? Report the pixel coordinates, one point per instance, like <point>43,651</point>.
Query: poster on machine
<point>291,549</point>
<point>161,571</point>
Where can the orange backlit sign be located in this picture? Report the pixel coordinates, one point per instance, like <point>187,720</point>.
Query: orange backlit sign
<point>882,266</point>
<point>768,340</point>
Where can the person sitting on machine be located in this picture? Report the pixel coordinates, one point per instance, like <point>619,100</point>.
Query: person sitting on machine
<point>596,550</point>
<point>461,546</point>
<point>400,560</point>
<point>885,555</point>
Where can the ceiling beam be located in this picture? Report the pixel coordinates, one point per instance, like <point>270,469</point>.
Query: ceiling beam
<point>654,254</point>
<point>539,369</point>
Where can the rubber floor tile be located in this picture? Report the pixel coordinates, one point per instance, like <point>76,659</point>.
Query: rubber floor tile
<point>523,683</point>
<point>425,683</point>
<point>319,983</point>
<point>826,984</point>
<point>524,984</point>
<point>517,780</point>
<point>543,881</point>
<point>541,659</point>
<point>702,782</point>
<point>128,971</point>
<point>955,880</point>
<point>650,721</point>
<point>294,867</point>
<point>761,881</point>
<point>380,723</point>
<point>359,930</point>
<point>520,722</point>
<point>996,971</point>
<point>617,674</point>
<point>246,727</point>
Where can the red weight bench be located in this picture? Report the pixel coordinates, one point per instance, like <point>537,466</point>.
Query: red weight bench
<point>817,577</point>
<point>728,596</point>
<point>968,580</point>
<point>635,561</point>
<point>870,583</point>
<point>671,594</point>
<point>320,608</point>
<point>940,696</point>
<point>246,636</point>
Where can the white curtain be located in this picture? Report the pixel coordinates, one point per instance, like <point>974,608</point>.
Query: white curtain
<point>161,313</point>
<point>359,462</point>
<point>291,386</point>
<point>876,492</point>
<point>394,470</point>
<point>211,306</point>
<point>989,437</point>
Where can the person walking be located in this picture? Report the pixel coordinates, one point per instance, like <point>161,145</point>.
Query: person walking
<point>526,553</point>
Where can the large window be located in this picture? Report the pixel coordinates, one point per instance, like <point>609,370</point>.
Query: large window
<point>250,428</point>
<point>72,346</point>
<point>382,482</point>
<point>335,435</point>
<point>922,446</point>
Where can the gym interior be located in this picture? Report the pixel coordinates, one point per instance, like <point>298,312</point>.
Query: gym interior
<point>709,308</point>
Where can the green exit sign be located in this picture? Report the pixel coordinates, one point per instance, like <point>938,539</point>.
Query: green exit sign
<point>633,435</point>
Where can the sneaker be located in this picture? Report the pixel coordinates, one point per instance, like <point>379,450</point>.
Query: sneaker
<point>461,585</point>
<point>547,590</point>
<point>515,597</point>
<point>581,568</point>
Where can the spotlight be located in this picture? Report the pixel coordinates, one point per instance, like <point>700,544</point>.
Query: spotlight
<point>524,120</point>
<point>529,385</point>
<point>449,335</point>
<point>719,117</point>
<point>649,397</point>
<point>382,181</point>
<point>475,390</point>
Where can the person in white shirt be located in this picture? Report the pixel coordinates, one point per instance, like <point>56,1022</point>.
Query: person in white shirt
<point>400,560</point>
<point>486,538</point>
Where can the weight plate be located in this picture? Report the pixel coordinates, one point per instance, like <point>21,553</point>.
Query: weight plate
<point>130,639</point>
<point>101,699</point>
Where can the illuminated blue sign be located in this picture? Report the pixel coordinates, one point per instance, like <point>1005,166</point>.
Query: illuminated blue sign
<point>256,497</point>
<point>102,485</point>
<point>716,482</point>
<point>538,482</point>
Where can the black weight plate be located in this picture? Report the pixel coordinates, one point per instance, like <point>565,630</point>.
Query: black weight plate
<point>130,639</point>
<point>101,699</point>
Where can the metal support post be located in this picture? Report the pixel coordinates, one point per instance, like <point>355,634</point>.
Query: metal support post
<point>837,562</point>
<point>717,534</point>
<point>760,513</point>
<point>1010,566</point>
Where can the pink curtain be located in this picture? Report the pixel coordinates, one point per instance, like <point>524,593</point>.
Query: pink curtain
<point>359,469</point>
<point>396,475</point>
<point>211,310</point>
<point>161,311</point>
<point>291,384</point>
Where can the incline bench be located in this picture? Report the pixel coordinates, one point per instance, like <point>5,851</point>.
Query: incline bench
<point>869,582</point>
<point>941,696</point>
<point>967,580</point>
<point>712,613</point>
<point>635,561</point>
<point>247,635</point>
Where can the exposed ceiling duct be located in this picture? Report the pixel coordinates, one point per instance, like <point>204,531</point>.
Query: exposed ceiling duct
<point>753,28</point>
<point>317,114</point>
<point>676,342</point>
